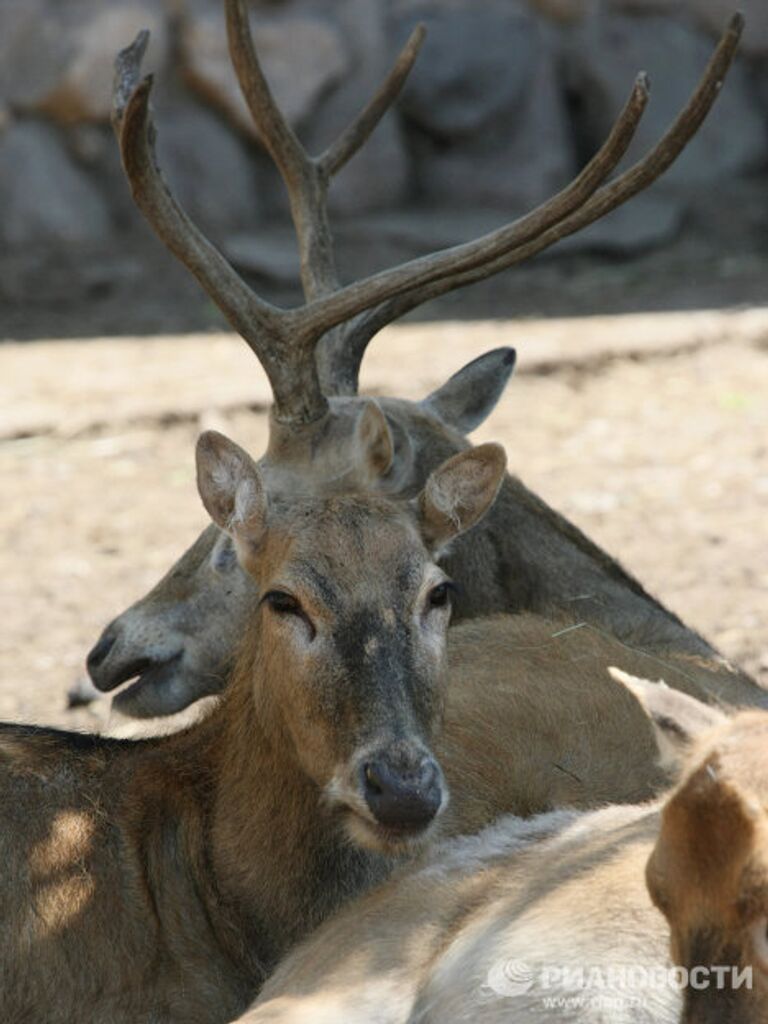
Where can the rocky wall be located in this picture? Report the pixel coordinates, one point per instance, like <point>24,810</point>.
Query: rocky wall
<point>507,100</point>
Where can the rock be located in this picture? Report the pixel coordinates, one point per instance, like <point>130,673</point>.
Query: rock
<point>562,11</point>
<point>302,57</point>
<point>272,255</point>
<point>711,15</point>
<point>44,196</point>
<point>208,169</point>
<point>206,165</point>
<point>486,115</point>
<point>475,65</point>
<point>760,85</point>
<point>378,175</point>
<point>58,59</point>
<point>602,55</point>
<point>645,222</point>
<point>28,39</point>
<point>714,15</point>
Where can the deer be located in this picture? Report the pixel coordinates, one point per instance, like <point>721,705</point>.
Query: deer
<point>356,729</point>
<point>161,879</point>
<point>177,644</point>
<point>649,914</point>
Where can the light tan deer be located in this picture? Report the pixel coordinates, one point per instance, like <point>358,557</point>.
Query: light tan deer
<point>179,640</point>
<point>550,919</point>
<point>160,880</point>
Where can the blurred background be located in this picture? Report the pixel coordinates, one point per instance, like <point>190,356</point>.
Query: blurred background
<point>640,406</point>
<point>507,101</point>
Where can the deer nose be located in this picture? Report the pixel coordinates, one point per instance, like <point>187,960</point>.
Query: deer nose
<point>99,652</point>
<point>405,800</point>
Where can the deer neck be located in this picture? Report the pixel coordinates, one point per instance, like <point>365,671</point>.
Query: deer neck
<point>279,854</point>
<point>550,566</point>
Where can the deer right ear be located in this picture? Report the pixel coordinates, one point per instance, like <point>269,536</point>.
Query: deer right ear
<point>459,493</point>
<point>677,719</point>
<point>231,487</point>
<point>375,446</point>
<point>470,395</point>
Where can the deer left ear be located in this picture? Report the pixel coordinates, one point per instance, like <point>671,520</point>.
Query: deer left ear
<point>374,444</point>
<point>459,493</point>
<point>677,719</point>
<point>231,487</point>
<point>470,395</point>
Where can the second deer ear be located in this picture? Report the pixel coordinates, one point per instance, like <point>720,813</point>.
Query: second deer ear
<point>677,719</point>
<point>374,444</point>
<point>231,487</point>
<point>459,493</point>
<point>470,395</point>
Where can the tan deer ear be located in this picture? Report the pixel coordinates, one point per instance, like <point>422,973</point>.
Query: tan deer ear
<point>231,487</point>
<point>459,493</point>
<point>677,718</point>
<point>374,444</point>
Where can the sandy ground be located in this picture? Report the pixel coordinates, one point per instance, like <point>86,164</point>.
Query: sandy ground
<point>658,451</point>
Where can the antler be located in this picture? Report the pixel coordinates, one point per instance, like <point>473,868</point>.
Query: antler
<point>286,351</point>
<point>346,318</point>
<point>289,362</point>
<point>307,178</point>
<point>609,197</point>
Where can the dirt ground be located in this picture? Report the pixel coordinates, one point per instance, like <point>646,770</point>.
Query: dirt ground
<point>661,456</point>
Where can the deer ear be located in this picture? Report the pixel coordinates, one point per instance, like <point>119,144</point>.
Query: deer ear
<point>470,395</point>
<point>677,718</point>
<point>374,444</point>
<point>459,493</point>
<point>231,487</point>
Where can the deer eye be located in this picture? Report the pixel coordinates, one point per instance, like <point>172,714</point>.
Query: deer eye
<point>440,596</point>
<point>282,603</point>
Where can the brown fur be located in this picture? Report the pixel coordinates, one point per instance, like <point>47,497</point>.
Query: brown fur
<point>434,943</point>
<point>203,856</point>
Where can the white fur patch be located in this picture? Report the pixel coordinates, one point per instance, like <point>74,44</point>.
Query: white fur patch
<point>246,501</point>
<point>499,840</point>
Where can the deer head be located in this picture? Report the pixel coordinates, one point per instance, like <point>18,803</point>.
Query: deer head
<point>348,630</point>
<point>320,431</point>
<point>708,872</point>
<point>180,639</point>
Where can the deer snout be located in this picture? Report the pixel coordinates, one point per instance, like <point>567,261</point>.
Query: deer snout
<point>99,653</point>
<point>125,651</point>
<point>401,798</point>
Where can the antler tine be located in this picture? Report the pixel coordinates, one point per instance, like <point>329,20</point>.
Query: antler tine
<point>290,366</point>
<point>402,288</point>
<point>609,197</point>
<point>357,133</point>
<point>306,188</point>
<point>306,178</point>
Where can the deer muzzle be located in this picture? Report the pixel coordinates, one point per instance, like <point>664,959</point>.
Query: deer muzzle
<point>403,798</point>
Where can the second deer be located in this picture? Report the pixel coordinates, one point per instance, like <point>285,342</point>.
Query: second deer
<point>177,644</point>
